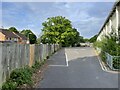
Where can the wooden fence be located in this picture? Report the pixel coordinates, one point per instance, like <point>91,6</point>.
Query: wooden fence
<point>14,56</point>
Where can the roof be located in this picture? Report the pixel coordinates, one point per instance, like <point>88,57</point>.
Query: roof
<point>110,14</point>
<point>8,34</point>
<point>21,36</point>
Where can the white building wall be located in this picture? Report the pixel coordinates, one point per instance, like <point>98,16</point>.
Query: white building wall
<point>112,25</point>
<point>113,19</point>
<point>119,15</point>
<point>109,27</point>
<point>104,31</point>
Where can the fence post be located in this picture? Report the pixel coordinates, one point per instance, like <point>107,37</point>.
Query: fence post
<point>32,48</point>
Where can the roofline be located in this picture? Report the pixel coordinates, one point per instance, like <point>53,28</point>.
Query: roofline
<point>110,14</point>
<point>1,30</point>
<point>20,36</point>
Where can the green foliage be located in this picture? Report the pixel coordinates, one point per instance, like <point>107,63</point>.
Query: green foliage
<point>37,65</point>
<point>18,77</point>
<point>86,40</point>
<point>21,76</point>
<point>103,56</point>
<point>9,85</point>
<point>29,34</point>
<point>59,30</point>
<point>116,63</point>
<point>110,46</point>
<point>13,29</point>
<point>93,39</point>
<point>81,39</point>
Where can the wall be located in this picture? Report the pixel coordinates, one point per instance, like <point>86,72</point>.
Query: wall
<point>2,37</point>
<point>111,25</point>
<point>119,15</point>
<point>19,55</point>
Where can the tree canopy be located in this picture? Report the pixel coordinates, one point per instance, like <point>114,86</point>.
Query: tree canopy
<point>59,30</point>
<point>93,39</point>
<point>29,34</point>
<point>13,29</point>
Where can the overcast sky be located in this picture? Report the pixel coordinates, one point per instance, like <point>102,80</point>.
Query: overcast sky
<point>87,17</point>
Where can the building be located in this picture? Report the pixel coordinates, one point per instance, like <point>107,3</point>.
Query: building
<point>21,38</point>
<point>11,37</point>
<point>112,23</point>
<point>7,36</point>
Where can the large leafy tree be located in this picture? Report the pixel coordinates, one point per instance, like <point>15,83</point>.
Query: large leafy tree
<point>59,30</point>
<point>29,34</point>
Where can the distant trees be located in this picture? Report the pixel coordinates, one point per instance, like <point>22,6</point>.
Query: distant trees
<point>29,34</point>
<point>93,39</point>
<point>13,29</point>
<point>59,30</point>
<point>81,39</point>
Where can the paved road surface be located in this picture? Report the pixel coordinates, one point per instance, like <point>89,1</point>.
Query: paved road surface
<point>77,68</point>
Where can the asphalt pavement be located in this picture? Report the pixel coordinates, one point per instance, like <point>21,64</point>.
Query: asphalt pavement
<point>77,68</point>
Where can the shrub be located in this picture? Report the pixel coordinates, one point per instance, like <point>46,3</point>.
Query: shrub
<point>103,56</point>
<point>22,76</point>
<point>116,63</point>
<point>110,46</point>
<point>18,77</point>
<point>9,85</point>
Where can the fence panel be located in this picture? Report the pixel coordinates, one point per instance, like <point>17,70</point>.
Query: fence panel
<point>109,60</point>
<point>19,55</point>
<point>113,61</point>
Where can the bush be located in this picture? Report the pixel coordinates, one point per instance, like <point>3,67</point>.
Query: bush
<point>110,46</point>
<point>22,76</point>
<point>116,63</point>
<point>103,56</point>
<point>9,85</point>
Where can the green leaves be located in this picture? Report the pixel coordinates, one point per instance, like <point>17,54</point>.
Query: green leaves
<point>29,34</point>
<point>13,29</point>
<point>22,76</point>
<point>116,62</point>
<point>9,85</point>
<point>93,39</point>
<point>59,30</point>
<point>110,46</point>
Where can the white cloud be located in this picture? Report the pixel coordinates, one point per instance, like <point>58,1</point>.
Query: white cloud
<point>89,27</point>
<point>31,15</point>
<point>58,0</point>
